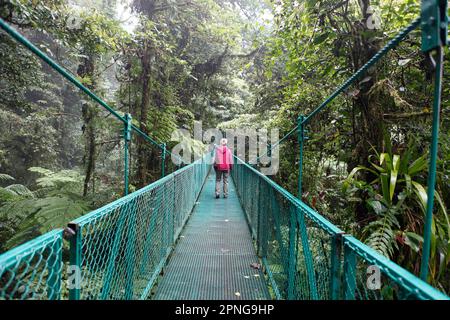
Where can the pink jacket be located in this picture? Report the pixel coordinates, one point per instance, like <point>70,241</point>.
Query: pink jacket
<point>224,159</point>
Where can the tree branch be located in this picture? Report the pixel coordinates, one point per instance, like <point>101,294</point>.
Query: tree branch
<point>397,116</point>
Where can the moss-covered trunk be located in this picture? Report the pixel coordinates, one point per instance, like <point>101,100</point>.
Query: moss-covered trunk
<point>86,70</point>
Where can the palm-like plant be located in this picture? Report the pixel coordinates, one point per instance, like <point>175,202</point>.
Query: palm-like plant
<point>395,196</point>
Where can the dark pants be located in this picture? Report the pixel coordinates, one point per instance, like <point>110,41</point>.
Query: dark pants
<point>219,176</point>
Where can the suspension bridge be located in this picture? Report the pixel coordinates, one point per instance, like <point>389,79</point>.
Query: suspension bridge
<point>173,240</point>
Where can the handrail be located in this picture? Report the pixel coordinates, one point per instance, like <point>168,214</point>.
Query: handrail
<point>421,288</point>
<point>34,270</point>
<point>132,220</point>
<point>381,53</point>
<point>314,215</point>
<point>414,285</point>
<point>93,215</point>
<point>70,77</point>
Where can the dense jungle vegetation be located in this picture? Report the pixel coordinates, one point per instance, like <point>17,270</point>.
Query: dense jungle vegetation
<point>229,64</point>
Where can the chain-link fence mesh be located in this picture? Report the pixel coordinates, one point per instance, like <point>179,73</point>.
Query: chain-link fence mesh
<point>116,252</point>
<point>368,275</point>
<point>305,257</point>
<point>120,249</point>
<point>78,160</point>
<point>32,271</point>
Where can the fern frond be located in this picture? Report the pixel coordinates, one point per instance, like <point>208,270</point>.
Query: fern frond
<point>19,190</point>
<point>41,171</point>
<point>50,179</point>
<point>381,233</point>
<point>37,216</point>
<point>6,177</point>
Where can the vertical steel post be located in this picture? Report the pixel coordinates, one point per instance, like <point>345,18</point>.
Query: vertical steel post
<point>163,160</point>
<point>75,260</point>
<point>432,166</point>
<point>349,273</point>
<point>301,137</point>
<point>54,271</point>
<point>127,138</point>
<point>335,274</point>
<point>292,262</point>
<point>434,37</point>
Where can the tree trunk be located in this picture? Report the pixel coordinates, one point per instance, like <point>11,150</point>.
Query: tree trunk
<point>144,108</point>
<point>370,133</point>
<point>371,116</point>
<point>86,69</point>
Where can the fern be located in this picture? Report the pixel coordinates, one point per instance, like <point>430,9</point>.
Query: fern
<point>32,217</point>
<point>381,232</point>
<point>25,214</point>
<point>19,190</point>
<point>5,177</point>
<point>64,179</point>
<point>13,192</point>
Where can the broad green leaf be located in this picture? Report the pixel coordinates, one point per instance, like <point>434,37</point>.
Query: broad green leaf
<point>358,168</point>
<point>385,187</point>
<point>394,174</point>
<point>421,194</point>
<point>414,241</point>
<point>380,169</point>
<point>386,158</point>
<point>408,182</point>
<point>444,211</point>
<point>418,165</point>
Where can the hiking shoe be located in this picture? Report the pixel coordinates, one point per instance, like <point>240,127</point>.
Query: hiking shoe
<point>217,196</point>
<point>225,196</point>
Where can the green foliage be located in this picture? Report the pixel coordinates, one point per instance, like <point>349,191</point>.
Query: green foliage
<point>394,197</point>
<point>14,191</point>
<point>18,190</point>
<point>62,180</point>
<point>230,65</point>
<point>25,214</point>
<point>32,217</point>
<point>5,177</point>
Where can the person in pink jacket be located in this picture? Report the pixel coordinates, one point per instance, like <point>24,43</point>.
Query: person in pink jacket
<point>223,164</point>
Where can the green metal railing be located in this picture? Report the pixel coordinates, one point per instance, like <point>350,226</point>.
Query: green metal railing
<point>32,271</point>
<point>129,127</point>
<point>306,257</point>
<point>119,250</point>
<point>115,252</point>
<point>434,25</point>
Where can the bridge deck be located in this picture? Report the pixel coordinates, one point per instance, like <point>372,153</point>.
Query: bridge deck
<point>213,257</point>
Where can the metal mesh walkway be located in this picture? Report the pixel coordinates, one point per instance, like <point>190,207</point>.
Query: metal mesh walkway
<point>214,255</point>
